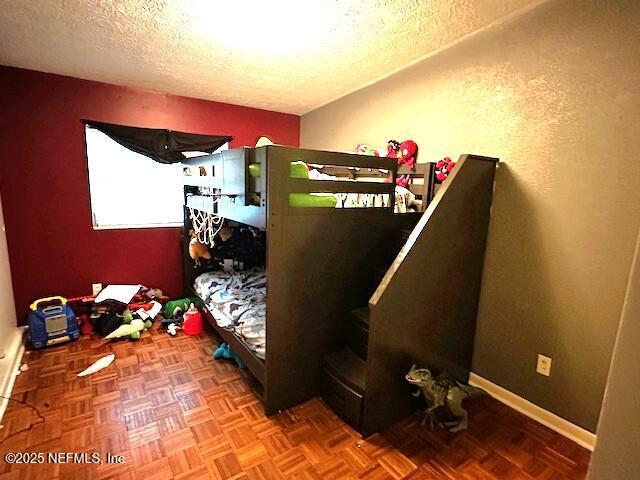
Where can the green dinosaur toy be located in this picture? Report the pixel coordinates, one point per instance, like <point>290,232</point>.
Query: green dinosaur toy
<point>440,391</point>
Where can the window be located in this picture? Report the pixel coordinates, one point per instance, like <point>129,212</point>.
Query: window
<point>129,190</point>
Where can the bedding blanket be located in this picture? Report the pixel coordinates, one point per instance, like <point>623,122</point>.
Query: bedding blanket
<point>237,300</point>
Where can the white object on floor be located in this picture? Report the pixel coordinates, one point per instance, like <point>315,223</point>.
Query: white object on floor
<point>173,329</point>
<point>119,293</point>
<point>151,313</point>
<point>127,329</point>
<point>155,310</point>
<point>98,365</point>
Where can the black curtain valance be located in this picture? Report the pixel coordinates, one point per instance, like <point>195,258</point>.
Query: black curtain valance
<point>164,146</point>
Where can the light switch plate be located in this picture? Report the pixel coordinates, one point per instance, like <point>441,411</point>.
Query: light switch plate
<point>95,288</point>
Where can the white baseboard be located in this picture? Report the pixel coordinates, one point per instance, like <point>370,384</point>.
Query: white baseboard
<point>565,428</point>
<point>9,365</point>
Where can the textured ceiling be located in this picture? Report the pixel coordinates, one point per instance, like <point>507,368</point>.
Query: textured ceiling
<point>286,55</point>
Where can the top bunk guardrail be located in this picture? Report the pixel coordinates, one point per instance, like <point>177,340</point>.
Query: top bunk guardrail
<point>258,177</point>
<point>421,179</point>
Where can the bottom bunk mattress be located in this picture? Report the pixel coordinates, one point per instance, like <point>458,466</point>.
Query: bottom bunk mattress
<point>237,300</point>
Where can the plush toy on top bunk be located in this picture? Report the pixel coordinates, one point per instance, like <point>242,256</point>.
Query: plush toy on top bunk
<point>406,152</point>
<point>444,168</point>
<point>364,149</point>
<point>393,147</point>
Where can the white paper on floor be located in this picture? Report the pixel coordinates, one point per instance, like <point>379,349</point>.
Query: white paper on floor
<point>98,365</point>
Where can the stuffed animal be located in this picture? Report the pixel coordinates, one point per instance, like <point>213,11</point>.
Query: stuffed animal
<point>131,327</point>
<point>444,168</point>
<point>225,351</point>
<point>393,148</point>
<point>172,329</point>
<point>127,316</point>
<point>364,149</point>
<point>403,181</point>
<point>408,154</point>
<point>198,250</point>
<point>174,308</point>
<point>86,326</point>
<point>156,294</point>
<point>128,329</point>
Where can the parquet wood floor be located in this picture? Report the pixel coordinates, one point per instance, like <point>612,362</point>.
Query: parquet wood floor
<point>174,412</point>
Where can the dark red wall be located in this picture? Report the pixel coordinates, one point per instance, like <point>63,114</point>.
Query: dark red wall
<point>53,248</point>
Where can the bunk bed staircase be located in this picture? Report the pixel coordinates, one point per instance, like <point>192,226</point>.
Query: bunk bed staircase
<point>423,309</point>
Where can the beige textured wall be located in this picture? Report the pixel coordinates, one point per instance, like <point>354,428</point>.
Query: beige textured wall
<point>616,454</point>
<point>555,93</point>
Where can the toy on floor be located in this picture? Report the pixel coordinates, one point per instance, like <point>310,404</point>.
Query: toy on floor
<point>156,294</point>
<point>192,323</point>
<point>173,328</point>
<point>442,391</point>
<point>174,308</point>
<point>131,329</point>
<point>127,316</point>
<point>98,365</point>
<point>86,327</point>
<point>225,351</point>
<point>52,321</point>
<point>168,321</point>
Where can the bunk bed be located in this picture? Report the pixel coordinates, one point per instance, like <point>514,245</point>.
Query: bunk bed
<point>320,262</point>
<point>325,266</point>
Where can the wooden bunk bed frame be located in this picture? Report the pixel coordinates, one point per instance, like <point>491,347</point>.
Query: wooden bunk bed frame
<point>323,271</point>
<point>320,262</point>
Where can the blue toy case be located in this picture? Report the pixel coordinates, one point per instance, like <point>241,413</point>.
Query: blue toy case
<point>52,324</point>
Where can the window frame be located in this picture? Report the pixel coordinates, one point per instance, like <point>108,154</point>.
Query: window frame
<point>125,226</point>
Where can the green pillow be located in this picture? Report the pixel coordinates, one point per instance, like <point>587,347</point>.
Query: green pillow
<point>307,200</point>
<point>254,169</point>
<point>299,170</point>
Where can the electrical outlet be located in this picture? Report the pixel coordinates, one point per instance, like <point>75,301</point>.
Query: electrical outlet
<point>95,288</point>
<point>544,365</point>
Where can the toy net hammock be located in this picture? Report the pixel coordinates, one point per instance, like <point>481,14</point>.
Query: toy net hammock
<point>206,225</point>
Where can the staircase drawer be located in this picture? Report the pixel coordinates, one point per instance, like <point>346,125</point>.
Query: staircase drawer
<point>358,338</point>
<point>345,402</point>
